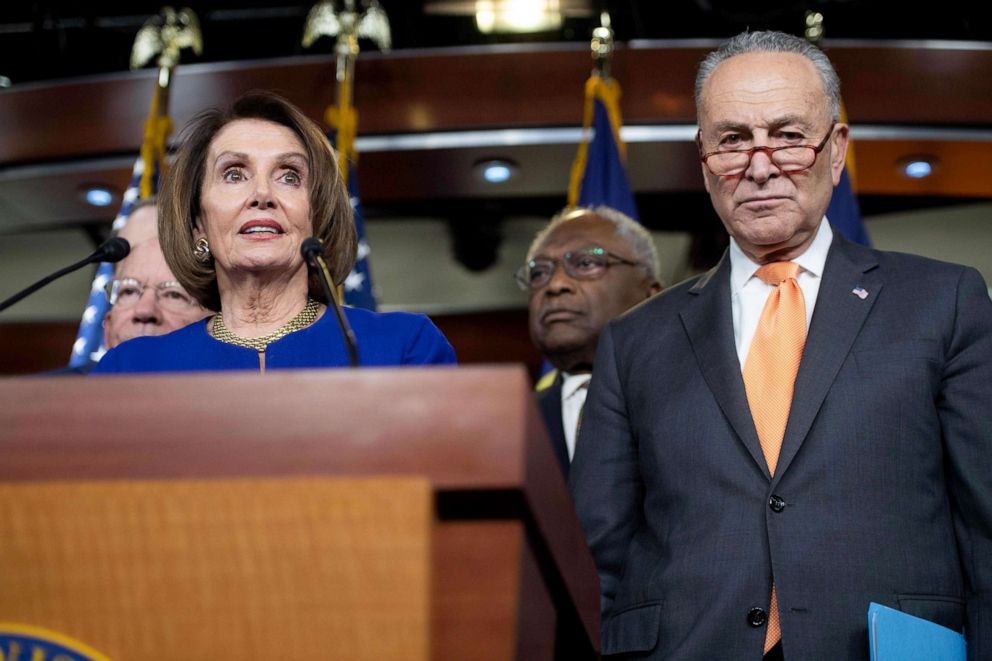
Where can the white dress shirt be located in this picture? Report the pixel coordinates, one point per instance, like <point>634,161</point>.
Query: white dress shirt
<point>573,395</point>
<point>749,294</point>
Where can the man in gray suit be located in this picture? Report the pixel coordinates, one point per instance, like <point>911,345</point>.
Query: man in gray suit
<point>714,542</point>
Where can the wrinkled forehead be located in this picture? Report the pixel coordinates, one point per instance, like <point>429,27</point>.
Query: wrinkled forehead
<point>146,263</point>
<point>141,226</point>
<point>585,231</point>
<point>251,135</point>
<point>757,88</point>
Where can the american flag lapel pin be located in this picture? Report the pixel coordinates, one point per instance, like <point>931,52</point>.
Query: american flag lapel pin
<point>860,292</point>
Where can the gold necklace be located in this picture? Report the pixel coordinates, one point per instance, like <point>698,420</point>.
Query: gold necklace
<point>306,317</point>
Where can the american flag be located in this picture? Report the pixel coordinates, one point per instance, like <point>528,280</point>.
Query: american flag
<point>88,347</point>
<point>358,290</point>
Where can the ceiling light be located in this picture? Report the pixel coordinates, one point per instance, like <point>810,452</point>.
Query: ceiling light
<point>519,16</point>
<point>496,170</point>
<point>98,196</point>
<point>485,17</point>
<point>918,167</point>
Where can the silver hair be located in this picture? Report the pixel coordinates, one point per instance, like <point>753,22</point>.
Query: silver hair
<point>773,42</point>
<point>635,235</point>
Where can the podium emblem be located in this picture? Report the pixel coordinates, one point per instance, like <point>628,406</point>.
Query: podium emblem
<point>22,642</point>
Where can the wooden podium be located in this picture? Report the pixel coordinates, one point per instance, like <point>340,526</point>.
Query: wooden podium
<point>375,514</point>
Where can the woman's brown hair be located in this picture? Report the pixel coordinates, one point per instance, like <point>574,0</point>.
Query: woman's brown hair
<point>179,199</point>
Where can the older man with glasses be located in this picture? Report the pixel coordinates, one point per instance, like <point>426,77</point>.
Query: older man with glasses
<point>585,268</point>
<point>144,295</point>
<point>768,448</point>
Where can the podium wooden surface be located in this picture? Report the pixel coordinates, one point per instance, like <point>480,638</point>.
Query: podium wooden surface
<point>384,513</point>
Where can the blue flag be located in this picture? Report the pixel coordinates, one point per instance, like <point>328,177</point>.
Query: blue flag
<point>605,180</point>
<point>844,213</point>
<point>599,176</point>
<point>358,292</point>
<point>88,347</point>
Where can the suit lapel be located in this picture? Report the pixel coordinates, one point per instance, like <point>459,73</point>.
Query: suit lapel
<point>838,316</point>
<point>549,401</point>
<point>709,324</point>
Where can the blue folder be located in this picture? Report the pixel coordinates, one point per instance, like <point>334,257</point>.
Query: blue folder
<point>897,636</point>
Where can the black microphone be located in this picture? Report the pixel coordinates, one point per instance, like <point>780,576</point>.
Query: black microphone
<point>112,250</point>
<point>313,253</point>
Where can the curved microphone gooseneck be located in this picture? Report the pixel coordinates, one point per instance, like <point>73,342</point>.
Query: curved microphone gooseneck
<point>313,253</point>
<point>112,250</point>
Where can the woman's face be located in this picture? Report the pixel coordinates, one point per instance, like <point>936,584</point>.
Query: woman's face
<point>255,201</point>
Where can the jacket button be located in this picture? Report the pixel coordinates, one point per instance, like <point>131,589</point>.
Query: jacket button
<point>777,503</point>
<point>757,617</point>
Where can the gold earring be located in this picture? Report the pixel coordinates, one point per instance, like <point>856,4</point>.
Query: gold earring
<point>201,250</point>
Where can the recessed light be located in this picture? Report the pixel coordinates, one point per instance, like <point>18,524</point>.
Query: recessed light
<point>496,170</point>
<point>918,167</point>
<point>98,196</point>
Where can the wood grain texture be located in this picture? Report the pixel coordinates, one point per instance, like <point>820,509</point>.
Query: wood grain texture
<point>473,433</point>
<point>476,590</point>
<point>249,569</point>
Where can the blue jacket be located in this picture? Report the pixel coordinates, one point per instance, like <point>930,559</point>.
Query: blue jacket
<point>389,338</point>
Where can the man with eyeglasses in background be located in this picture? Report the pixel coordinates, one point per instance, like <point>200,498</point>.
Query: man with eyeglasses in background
<point>803,430</point>
<point>144,296</point>
<point>585,268</point>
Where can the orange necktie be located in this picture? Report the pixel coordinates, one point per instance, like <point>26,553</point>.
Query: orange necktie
<point>770,374</point>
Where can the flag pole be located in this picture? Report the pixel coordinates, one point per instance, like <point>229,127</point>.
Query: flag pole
<point>165,35</point>
<point>602,46</point>
<point>347,25</point>
<point>342,116</point>
<point>602,87</point>
<point>844,212</point>
<point>598,176</point>
<point>814,32</point>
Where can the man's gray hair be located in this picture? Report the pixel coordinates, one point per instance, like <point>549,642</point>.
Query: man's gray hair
<point>635,235</point>
<point>773,42</point>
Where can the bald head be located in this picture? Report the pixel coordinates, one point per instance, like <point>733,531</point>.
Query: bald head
<point>141,225</point>
<point>145,269</point>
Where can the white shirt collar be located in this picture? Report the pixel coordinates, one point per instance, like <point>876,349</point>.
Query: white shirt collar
<point>572,383</point>
<point>812,261</point>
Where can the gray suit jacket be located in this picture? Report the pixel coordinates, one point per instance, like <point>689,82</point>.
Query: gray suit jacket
<point>884,485</point>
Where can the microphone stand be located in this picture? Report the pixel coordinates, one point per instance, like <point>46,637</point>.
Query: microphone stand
<point>112,250</point>
<point>313,253</point>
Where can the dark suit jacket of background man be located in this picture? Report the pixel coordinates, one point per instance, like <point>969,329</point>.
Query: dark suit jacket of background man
<point>549,400</point>
<point>885,471</point>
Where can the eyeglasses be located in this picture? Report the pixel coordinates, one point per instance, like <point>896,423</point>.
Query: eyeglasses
<point>585,264</point>
<point>788,158</point>
<point>126,293</point>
